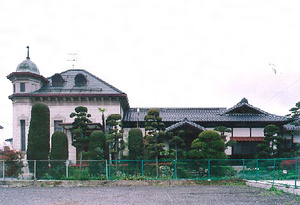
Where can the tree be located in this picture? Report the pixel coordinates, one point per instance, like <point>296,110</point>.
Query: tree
<point>102,110</point>
<point>154,135</point>
<point>176,141</point>
<point>39,138</point>
<point>135,144</point>
<point>222,130</point>
<point>272,144</point>
<point>115,135</point>
<point>209,145</point>
<point>294,112</point>
<point>97,150</point>
<point>80,137</point>
<point>59,153</point>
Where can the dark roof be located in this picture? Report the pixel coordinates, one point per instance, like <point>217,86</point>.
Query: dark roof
<point>94,85</point>
<point>207,114</point>
<point>293,126</point>
<point>185,121</point>
<point>1,127</point>
<point>244,107</point>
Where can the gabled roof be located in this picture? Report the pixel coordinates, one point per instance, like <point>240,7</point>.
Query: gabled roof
<point>242,112</point>
<point>94,85</point>
<point>243,107</point>
<point>185,121</point>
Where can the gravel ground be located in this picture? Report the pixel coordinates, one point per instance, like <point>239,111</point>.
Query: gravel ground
<point>144,195</point>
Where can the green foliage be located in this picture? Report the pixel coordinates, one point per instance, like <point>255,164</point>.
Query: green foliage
<point>294,111</point>
<point>115,135</point>
<point>209,145</point>
<point>13,162</point>
<point>59,154</point>
<point>39,137</point>
<point>272,145</point>
<point>177,144</point>
<point>59,146</point>
<point>135,144</point>
<point>97,151</point>
<point>223,130</point>
<point>80,138</point>
<point>154,134</point>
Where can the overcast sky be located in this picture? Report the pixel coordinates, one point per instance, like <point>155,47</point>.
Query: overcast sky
<point>161,53</point>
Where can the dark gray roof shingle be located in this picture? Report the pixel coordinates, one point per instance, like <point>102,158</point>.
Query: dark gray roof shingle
<point>94,85</point>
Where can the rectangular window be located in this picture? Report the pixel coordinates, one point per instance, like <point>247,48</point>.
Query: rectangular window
<point>23,141</point>
<point>14,88</point>
<point>57,127</point>
<point>22,87</point>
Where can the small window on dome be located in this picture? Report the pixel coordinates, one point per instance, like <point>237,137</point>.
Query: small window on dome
<point>80,80</point>
<point>57,80</point>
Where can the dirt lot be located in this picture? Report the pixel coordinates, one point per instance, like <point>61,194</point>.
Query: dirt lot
<point>144,195</point>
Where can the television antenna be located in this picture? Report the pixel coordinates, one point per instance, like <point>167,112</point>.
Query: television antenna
<point>73,58</point>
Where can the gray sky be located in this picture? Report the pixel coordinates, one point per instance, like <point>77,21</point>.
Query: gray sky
<point>162,53</point>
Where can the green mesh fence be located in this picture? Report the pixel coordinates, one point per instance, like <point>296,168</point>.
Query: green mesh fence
<point>275,171</point>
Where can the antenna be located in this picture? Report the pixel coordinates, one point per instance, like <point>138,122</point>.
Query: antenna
<point>73,58</point>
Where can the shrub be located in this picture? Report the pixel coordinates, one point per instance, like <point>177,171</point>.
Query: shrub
<point>13,162</point>
<point>59,154</point>
<point>39,137</point>
<point>135,144</point>
<point>288,164</point>
<point>97,149</point>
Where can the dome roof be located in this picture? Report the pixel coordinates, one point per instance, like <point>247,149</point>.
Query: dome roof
<point>28,66</point>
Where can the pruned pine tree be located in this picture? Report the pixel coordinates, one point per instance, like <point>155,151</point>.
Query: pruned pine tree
<point>80,137</point>
<point>154,136</point>
<point>176,143</point>
<point>272,145</point>
<point>209,145</point>
<point>115,136</point>
<point>223,130</point>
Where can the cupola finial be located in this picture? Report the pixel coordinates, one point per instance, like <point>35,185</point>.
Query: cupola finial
<point>28,53</point>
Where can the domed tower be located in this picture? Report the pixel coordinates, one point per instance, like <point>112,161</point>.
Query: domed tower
<point>25,80</point>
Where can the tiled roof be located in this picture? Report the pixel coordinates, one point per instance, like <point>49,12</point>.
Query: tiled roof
<point>244,107</point>
<point>185,121</point>
<point>201,115</point>
<point>94,85</point>
<point>293,126</point>
<point>247,139</point>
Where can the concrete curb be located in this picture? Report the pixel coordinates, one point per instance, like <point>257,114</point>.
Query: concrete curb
<point>266,185</point>
<point>95,183</point>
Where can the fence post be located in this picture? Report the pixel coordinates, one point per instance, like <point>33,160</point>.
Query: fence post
<point>106,169</point>
<point>3,171</point>
<point>34,170</point>
<point>209,170</point>
<point>109,169</point>
<point>67,169</point>
<point>256,170</point>
<point>296,172</point>
<point>243,168</point>
<point>175,169</point>
<point>274,165</point>
<point>142,168</point>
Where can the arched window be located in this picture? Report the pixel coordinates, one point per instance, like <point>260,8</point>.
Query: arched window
<point>57,80</point>
<point>80,80</point>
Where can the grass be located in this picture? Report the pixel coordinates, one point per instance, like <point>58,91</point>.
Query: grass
<point>234,182</point>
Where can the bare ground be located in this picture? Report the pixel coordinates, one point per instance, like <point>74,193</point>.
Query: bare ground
<point>145,195</point>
